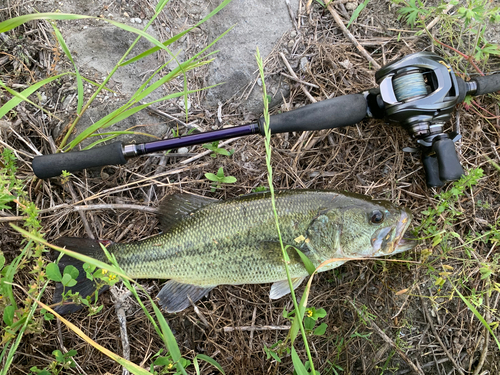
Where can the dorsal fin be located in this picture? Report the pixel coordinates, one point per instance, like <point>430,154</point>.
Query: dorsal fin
<point>174,207</point>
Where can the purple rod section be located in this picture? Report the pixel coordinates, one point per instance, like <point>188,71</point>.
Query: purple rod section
<point>196,139</point>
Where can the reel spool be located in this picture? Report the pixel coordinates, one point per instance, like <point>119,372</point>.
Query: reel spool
<point>420,92</point>
<point>409,86</point>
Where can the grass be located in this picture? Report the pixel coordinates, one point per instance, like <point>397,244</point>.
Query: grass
<point>458,260</point>
<point>19,317</point>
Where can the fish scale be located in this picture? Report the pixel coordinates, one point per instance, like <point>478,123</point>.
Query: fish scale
<point>220,234</point>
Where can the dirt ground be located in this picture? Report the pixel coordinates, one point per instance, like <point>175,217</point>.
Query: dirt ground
<point>425,326</point>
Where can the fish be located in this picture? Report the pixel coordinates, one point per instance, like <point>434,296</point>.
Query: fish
<point>206,242</point>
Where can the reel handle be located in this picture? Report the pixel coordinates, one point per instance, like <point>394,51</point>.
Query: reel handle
<point>441,162</point>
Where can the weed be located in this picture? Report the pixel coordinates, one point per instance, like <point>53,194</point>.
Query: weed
<point>63,363</point>
<point>26,316</point>
<point>219,179</point>
<point>19,318</point>
<point>214,147</point>
<point>259,189</point>
<point>463,30</point>
<point>437,225</point>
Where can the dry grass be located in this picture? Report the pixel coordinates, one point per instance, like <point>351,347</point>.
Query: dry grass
<point>365,158</point>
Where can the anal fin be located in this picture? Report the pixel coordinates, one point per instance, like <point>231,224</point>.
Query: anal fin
<point>281,288</point>
<point>175,296</point>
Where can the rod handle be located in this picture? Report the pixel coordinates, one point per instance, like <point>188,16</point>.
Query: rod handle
<point>52,165</point>
<point>331,113</point>
<point>487,84</point>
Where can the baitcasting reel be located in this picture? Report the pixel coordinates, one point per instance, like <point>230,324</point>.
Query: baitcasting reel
<point>420,92</point>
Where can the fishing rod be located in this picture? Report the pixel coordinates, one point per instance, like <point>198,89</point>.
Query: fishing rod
<point>418,92</point>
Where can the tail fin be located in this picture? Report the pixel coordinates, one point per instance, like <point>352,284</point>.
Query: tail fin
<point>84,286</point>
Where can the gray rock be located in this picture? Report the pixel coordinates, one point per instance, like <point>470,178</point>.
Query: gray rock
<point>259,23</point>
<point>101,47</point>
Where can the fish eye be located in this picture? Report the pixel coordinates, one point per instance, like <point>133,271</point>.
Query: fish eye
<point>376,217</point>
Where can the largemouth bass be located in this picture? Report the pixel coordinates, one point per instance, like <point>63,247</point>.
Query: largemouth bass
<point>206,243</point>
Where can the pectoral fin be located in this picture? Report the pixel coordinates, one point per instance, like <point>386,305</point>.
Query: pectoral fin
<point>281,288</point>
<point>175,296</point>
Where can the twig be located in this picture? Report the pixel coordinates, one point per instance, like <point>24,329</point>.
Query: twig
<point>299,80</point>
<point>429,364</point>
<point>292,17</point>
<point>63,348</point>
<point>91,207</point>
<point>351,37</point>
<point>120,297</point>
<point>436,19</point>
<point>254,315</point>
<point>255,328</point>
<point>199,313</point>
<point>336,2</point>
<point>170,117</point>
<point>81,213</point>
<point>307,93</point>
<point>143,180</point>
<point>8,219</point>
<point>436,335</point>
<point>484,352</point>
<point>388,340</point>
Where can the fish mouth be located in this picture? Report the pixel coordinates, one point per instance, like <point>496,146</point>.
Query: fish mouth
<point>403,241</point>
<point>392,240</point>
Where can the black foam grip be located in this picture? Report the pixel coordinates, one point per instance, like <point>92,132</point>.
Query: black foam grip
<point>450,168</point>
<point>47,166</point>
<point>487,84</point>
<point>331,113</point>
<point>431,168</point>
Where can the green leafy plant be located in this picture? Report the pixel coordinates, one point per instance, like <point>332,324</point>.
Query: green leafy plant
<point>30,315</point>
<point>413,11</point>
<point>460,31</point>
<point>214,147</point>
<point>219,179</point>
<point>19,319</point>
<point>62,363</point>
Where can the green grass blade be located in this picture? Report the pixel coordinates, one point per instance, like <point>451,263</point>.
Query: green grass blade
<point>18,21</point>
<point>160,5</point>
<point>169,339</point>
<point>79,81</point>
<point>74,254</point>
<point>357,11</point>
<point>27,319</point>
<point>307,262</point>
<point>19,97</point>
<point>132,367</point>
<point>212,361</point>
<point>93,83</point>
<point>178,36</point>
<point>286,258</point>
<point>477,314</point>
<point>113,135</point>
<point>297,363</point>
<point>117,116</point>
